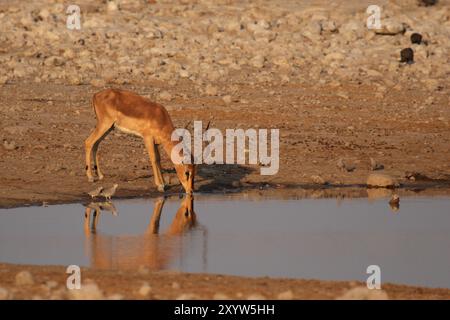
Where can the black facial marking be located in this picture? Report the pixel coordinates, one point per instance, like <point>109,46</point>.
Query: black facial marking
<point>95,168</point>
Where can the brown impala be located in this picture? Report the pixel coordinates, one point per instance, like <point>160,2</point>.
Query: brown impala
<point>134,114</point>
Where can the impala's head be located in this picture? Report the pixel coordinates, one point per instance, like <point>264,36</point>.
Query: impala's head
<point>186,174</point>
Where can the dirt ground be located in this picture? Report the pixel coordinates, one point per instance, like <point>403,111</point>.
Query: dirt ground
<point>50,123</point>
<point>49,282</point>
<point>405,127</point>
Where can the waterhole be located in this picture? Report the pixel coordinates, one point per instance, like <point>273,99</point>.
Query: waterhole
<point>326,239</point>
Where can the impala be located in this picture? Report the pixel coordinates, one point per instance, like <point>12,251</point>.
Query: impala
<point>134,114</point>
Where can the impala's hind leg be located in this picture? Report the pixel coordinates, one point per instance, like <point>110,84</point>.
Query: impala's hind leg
<point>101,130</point>
<point>95,153</point>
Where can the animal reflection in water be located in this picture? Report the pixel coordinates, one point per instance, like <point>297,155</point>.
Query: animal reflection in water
<point>150,249</point>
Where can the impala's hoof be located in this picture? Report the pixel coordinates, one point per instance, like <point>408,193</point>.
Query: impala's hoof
<point>162,188</point>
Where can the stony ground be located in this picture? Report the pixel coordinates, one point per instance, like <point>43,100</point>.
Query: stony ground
<point>335,89</point>
<point>49,282</point>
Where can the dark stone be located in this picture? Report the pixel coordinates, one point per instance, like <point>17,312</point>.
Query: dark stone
<point>416,38</point>
<point>407,55</point>
<point>427,3</point>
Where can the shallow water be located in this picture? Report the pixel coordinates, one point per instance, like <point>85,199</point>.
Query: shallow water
<point>325,239</point>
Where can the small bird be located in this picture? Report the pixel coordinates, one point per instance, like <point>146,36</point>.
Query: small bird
<point>96,192</point>
<point>374,165</point>
<point>109,192</point>
<point>345,166</point>
<point>394,203</point>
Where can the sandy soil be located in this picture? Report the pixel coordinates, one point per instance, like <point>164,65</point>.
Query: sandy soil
<point>49,282</point>
<point>44,123</point>
<point>51,123</point>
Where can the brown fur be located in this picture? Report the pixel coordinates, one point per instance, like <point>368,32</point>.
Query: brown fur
<point>135,114</point>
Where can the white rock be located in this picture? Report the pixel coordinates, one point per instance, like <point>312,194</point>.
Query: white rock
<point>257,61</point>
<point>165,95</point>
<point>24,278</point>
<point>390,27</point>
<point>89,291</point>
<point>364,293</point>
<point>256,296</point>
<point>145,290</point>
<point>211,90</point>
<point>286,295</point>
<point>380,180</point>
<point>4,294</point>
<point>227,99</point>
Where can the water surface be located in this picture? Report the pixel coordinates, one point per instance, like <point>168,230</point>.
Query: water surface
<point>325,239</point>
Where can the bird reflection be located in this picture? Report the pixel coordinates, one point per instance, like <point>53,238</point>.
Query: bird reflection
<point>394,203</point>
<point>152,249</point>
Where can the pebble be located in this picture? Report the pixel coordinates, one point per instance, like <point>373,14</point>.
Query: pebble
<point>24,278</point>
<point>364,293</point>
<point>378,180</point>
<point>145,290</point>
<point>88,291</point>
<point>165,96</point>
<point>407,55</point>
<point>4,294</point>
<point>256,296</point>
<point>286,295</point>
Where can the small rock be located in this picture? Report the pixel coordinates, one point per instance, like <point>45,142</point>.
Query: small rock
<point>227,99</point>
<point>51,284</point>
<point>427,3</point>
<point>9,145</point>
<point>221,296</point>
<point>416,38</point>
<point>379,180</point>
<point>407,55</point>
<point>145,290</point>
<point>390,27</point>
<point>176,285</point>
<point>363,293</point>
<point>89,291</point>
<point>211,90</point>
<point>24,278</point>
<point>256,296</point>
<point>188,296</point>
<point>4,294</point>
<point>318,179</point>
<point>285,295</point>
<point>165,95</point>
<point>257,61</point>
<point>98,83</point>
<point>184,73</point>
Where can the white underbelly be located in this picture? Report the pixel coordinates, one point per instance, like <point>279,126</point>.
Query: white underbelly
<point>128,131</point>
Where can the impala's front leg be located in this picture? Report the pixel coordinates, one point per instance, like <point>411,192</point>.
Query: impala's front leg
<point>155,162</point>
